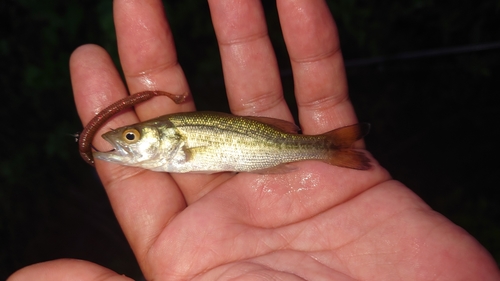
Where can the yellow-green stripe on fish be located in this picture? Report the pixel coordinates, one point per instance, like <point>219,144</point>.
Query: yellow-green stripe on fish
<point>210,142</point>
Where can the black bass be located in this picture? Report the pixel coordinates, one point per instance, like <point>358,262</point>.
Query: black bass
<point>210,142</point>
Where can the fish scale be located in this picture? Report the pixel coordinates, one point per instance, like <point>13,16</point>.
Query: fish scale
<point>246,144</point>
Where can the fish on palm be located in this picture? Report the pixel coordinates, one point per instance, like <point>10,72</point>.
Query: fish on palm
<point>210,142</point>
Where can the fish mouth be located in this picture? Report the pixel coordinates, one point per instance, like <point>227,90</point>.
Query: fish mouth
<point>116,154</point>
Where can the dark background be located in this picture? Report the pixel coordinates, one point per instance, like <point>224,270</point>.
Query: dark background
<point>433,114</point>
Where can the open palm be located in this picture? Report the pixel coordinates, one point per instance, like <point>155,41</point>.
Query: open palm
<point>318,222</point>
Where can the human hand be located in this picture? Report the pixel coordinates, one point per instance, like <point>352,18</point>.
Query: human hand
<point>318,222</point>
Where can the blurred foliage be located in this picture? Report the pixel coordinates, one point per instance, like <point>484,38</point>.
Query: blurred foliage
<point>433,118</point>
<point>51,204</point>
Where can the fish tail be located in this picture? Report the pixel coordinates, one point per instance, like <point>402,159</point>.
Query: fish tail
<point>340,152</point>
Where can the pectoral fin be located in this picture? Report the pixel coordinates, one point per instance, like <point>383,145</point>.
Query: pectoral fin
<point>191,152</point>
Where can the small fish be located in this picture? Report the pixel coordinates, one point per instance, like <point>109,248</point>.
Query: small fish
<point>210,142</point>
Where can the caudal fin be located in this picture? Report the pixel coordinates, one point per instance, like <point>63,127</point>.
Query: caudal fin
<point>341,140</point>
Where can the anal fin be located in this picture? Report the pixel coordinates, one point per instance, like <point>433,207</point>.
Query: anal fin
<point>280,169</point>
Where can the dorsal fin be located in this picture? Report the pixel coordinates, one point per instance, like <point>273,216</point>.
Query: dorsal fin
<point>279,124</point>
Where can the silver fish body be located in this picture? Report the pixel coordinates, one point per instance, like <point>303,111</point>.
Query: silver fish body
<point>212,142</point>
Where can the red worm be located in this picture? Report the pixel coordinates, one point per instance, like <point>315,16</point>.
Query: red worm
<point>88,133</point>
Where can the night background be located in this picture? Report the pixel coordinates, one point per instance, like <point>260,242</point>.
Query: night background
<point>424,73</point>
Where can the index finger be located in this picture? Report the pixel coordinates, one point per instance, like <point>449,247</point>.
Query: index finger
<point>143,201</point>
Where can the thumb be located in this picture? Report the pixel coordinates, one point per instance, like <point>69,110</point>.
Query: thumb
<point>66,269</point>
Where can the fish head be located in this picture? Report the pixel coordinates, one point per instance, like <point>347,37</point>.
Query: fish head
<point>142,145</point>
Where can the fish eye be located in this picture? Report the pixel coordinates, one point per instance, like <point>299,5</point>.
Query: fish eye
<point>131,135</point>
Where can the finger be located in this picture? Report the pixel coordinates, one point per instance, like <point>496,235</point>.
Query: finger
<point>143,201</point>
<point>318,69</point>
<point>148,56</point>
<point>96,84</point>
<point>66,269</point>
<point>149,61</point>
<point>250,68</point>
